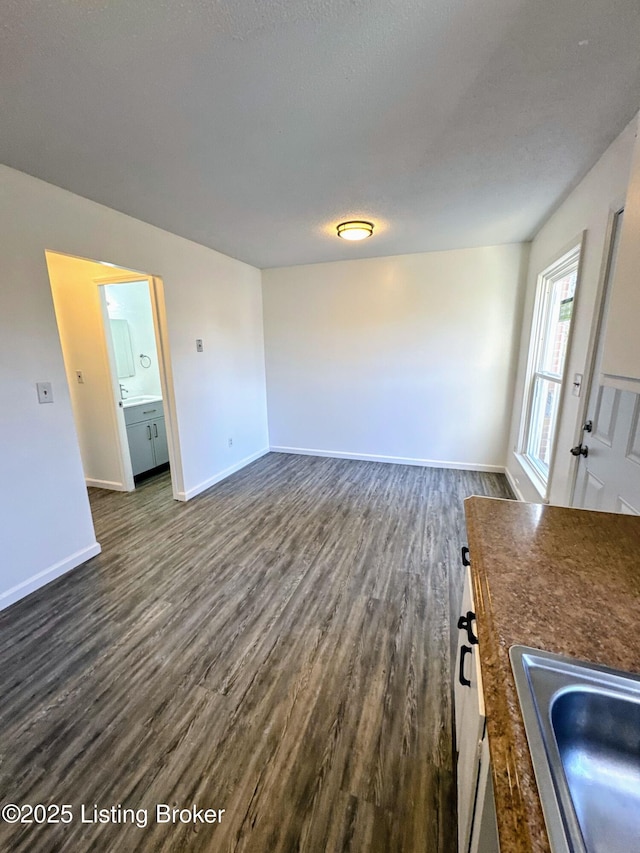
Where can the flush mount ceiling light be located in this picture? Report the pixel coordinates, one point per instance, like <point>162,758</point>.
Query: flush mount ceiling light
<point>355,230</point>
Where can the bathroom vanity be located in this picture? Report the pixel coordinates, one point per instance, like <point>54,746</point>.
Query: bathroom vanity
<point>146,433</point>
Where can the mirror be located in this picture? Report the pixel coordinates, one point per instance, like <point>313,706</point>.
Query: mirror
<point>122,348</point>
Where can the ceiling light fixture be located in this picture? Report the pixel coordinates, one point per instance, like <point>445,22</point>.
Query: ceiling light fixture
<point>355,230</point>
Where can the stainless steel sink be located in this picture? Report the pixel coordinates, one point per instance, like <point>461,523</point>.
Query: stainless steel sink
<point>583,726</point>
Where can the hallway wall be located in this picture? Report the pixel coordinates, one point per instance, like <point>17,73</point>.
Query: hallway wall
<point>46,525</point>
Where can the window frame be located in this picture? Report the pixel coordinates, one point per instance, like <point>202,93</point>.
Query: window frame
<point>569,259</point>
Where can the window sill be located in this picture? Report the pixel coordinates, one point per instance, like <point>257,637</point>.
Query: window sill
<point>538,484</point>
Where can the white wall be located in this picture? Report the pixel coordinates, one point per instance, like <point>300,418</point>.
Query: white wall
<point>408,358</point>
<point>131,302</point>
<point>79,315</point>
<point>588,208</point>
<point>220,393</point>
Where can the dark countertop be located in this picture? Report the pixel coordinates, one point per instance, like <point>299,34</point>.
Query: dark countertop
<point>559,579</point>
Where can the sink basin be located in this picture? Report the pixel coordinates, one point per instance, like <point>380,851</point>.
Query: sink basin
<point>583,727</point>
<point>141,398</point>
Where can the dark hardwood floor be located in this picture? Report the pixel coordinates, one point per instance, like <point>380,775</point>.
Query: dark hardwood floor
<point>278,647</point>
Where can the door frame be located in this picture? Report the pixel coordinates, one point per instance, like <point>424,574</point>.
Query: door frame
<point>597,329</point>
<point>159,316</point>
<point>158,308</point>
<point>124,458</point>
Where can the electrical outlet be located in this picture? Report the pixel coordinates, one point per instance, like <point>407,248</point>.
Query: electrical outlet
<point>199,347</point>
<point>230,442</point>
<point>79,377</point>
<point>45,392</point>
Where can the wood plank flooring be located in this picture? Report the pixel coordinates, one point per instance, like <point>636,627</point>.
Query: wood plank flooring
<point>278,647</point>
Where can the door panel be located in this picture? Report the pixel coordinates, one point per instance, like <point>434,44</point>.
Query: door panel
<point>633,451</point>
<point>593,491</point>
<point>606,414</point>
<point>609,478</point>
<point>625,508</point>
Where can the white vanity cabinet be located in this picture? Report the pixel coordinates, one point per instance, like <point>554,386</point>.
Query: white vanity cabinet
<point>147,436</point>
<point>477,832</point>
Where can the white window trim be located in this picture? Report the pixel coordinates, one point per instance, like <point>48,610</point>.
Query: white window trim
<point>555,269</point>
<point>537,482</point>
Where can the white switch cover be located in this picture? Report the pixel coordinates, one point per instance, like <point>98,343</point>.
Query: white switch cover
<point>45,394</point>
<point>577,384</point>
<point>199,347</point>
<point>79,377</point>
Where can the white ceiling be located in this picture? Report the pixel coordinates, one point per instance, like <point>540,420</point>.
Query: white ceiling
<point>254,126</point>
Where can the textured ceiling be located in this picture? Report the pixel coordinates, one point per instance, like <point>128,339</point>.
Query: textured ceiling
<point>253,126</point>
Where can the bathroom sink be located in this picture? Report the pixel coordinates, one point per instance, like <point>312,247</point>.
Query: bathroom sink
<point>583,727</point>
<point>141,398</point>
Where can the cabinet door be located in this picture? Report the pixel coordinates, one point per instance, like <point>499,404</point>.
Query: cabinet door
<point>470,722</point>
<point>468,773</point>
<point>140,447</point>
<point>464,697</point>
<point>484,832</point>
<point>160,446</point>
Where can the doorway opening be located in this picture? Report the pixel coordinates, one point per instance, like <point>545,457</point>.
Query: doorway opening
<point>112,328</point>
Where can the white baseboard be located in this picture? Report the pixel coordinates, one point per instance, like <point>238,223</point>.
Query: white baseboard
<point>36,581</point>
<point>514,486</point>
<point>395,460</point>
<point>206,484</point>
<point>106,484</point>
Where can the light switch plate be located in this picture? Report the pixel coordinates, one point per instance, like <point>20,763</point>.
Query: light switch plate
<point>45,392</point>
<point>577,384</point>
<point>199,347</point>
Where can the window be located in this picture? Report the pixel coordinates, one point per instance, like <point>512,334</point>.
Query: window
<point>547,354</point>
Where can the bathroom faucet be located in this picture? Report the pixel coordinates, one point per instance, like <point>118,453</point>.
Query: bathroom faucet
<point>123,391</point>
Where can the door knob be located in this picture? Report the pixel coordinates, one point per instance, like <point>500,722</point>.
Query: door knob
<point>588,426</point>
<point>579,450</point>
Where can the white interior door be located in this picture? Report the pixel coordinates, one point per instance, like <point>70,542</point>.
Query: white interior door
<point>608,478</point>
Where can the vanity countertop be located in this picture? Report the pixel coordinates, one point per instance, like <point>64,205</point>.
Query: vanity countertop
<point>140,400</point>
<point>554,578</point>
